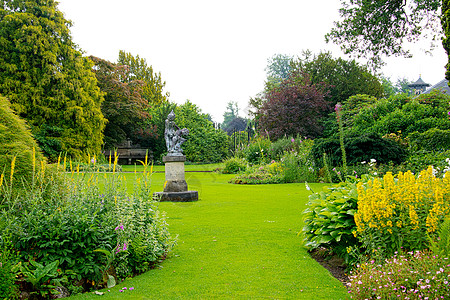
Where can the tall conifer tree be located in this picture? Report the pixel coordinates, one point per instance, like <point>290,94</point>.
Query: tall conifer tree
<point>47,80</point>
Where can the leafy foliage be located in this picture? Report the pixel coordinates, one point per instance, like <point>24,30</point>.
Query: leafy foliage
<point>234,165</point>
<point>159,115</point>
<point>45,77</point>
<point>441,247</point>
<point>124,107</point>
<point>17,144</point>
<point>402,114</point>
<point>344,78</point>
<point>395,212</point>
<point>432,140</point>
<point>371,29</point>
<point>358,148</point>
<point>153,85</point>
<point>231,112</point>
<point>204,143</point>
<point>329,219</point>
<point>445,21</point>
<point>64,218</point>
<point>293,108</point>
<point>7,275</point>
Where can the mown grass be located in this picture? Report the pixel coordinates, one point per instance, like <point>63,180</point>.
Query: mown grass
<point>237,241</point>
<point>160,168</point>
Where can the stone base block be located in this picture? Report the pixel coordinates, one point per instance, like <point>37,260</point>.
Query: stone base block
<point>175,186</point>
<point>187,196</point>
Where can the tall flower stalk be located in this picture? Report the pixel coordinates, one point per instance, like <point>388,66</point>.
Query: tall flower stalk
<point>338,109</point>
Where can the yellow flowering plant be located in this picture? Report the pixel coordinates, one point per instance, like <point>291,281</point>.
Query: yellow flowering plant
<point>400,211</point>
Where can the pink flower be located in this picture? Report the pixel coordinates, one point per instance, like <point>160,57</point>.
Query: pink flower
<point>292,140</point>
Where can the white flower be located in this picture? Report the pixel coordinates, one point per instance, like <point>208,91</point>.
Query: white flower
<point>363,162</point>
<point>373,160</point>
<point>307,186</point>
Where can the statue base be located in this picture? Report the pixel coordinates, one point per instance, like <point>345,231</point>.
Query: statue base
<point>175,186</point>
<point>187,196</point>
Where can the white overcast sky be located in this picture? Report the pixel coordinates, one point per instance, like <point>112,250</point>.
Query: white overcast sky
<point>212,52</point>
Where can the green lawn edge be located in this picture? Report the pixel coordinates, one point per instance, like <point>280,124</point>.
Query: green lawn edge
<point>238,242</point>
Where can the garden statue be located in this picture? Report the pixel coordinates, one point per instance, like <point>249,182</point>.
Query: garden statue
<point>174,136</point>
<point>175,186</point>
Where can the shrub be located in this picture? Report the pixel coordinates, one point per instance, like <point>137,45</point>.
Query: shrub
<point>420,160</point>
<point>401,113</point>
<point>234,165</point>
<point>7,276</point>
<point>18,144</point>
<point>358,148</point>
<point>297,164</point>
<point>433,139</point>
<point>395,213</point>
<point>414,275</point>
<point>261,174</point>
<point>258,151</point>
<point>329,219</point>
<point>73,221</point>
<point>238,140</point>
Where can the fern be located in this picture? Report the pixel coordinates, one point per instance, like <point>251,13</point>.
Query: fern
<point>442,246</point>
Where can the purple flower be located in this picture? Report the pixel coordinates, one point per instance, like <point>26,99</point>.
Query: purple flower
<point>119,227</point>
<point>131,288</point>
<point>293,140</point>
<point>124,246</point>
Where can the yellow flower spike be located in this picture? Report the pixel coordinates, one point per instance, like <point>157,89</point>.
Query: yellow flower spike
<point>89,159</point>
<point>64,166</point>
<point>13,164</point>
<point>1,179</point>
<point>34,161</point>
<point>78,168</point>
<point>110,159</point>
<point>59,161</point>
<point>42,169</point>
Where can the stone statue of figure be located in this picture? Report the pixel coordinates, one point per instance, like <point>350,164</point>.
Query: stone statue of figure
<point>174,136</point>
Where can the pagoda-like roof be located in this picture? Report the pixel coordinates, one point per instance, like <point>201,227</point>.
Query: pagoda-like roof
<point>419,84</point>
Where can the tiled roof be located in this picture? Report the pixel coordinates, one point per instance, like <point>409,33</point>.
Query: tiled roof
<point>441,85</point>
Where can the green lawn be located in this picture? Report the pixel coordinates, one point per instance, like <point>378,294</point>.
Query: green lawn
<point>237,241</point>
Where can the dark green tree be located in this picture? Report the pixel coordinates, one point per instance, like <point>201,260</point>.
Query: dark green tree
<point>371,29</point>
<point>124,107</point>
<point>278,68</point>
<point>153,89</point>
<point>46,78</point>
<point>204,142</point>
<point>345,78</point>
<point>231,112</point>
<point>159,115</point>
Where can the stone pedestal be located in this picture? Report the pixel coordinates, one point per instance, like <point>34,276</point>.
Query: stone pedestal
<point>175,186</point>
